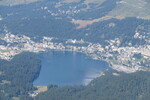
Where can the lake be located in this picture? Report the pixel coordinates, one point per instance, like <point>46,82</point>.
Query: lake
<point>68,68</point>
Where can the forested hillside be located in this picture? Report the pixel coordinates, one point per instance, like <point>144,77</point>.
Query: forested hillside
<point>17,75</point>
<point>111,86</point>
<point>64,20</point>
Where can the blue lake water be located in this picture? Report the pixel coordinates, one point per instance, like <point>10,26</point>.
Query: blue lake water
<point>68,68</point>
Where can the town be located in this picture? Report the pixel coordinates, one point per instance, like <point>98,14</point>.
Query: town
<point>127,59</point>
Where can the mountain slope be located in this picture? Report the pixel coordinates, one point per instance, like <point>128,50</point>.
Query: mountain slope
<point>15,2</point>
<point>132,8</point>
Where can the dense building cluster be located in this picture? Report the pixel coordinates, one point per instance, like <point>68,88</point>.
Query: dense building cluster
<point>120,58</point>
